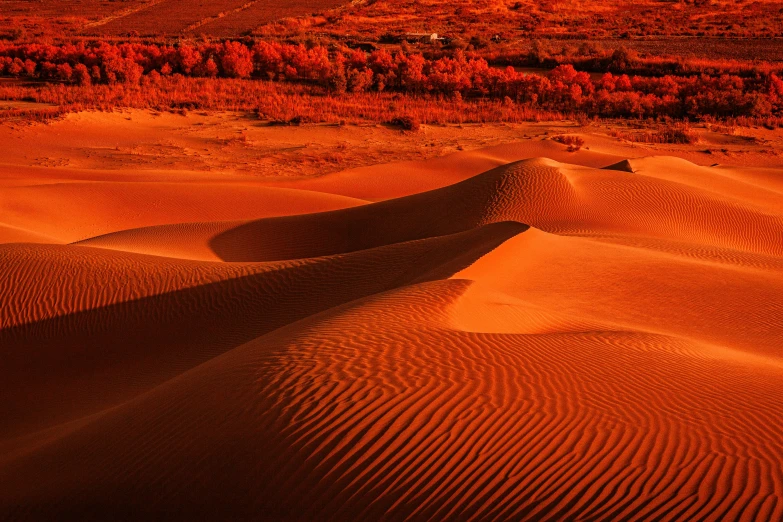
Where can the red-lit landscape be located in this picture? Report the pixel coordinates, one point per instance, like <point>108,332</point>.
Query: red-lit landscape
<point>391,260</point>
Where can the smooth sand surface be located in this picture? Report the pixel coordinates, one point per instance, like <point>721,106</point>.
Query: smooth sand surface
<point>490,335</point>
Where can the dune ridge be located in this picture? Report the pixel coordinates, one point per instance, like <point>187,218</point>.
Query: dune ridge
<point>539,341</point>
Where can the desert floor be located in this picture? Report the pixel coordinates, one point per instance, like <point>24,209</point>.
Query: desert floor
<point>206,317</point>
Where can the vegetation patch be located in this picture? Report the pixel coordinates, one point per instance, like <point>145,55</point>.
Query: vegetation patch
<point>673,133</point>
<point>574,143</point>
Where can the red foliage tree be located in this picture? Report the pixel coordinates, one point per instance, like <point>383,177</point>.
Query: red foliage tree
<point>81,74</point>
<point>236,60</point>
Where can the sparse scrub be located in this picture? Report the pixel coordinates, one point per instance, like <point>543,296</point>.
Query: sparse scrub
<point>674,134</point>
<point>40,115</point>
<point>284,103</point>
<point>728,128</point>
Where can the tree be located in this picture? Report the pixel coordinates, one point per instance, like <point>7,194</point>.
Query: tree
<point>16,67</point>
<point>268,60</point>
<point>410,70</point>
<point>29,67</point>
<point>236,60</point>
<point>359,80</point>
<point>188,59</point>
<point>64,72</point>
<point>81,75</point>
<point>209,68</point>
<point>337,80</point>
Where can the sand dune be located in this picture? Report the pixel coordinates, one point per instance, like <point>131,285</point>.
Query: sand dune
<point>539,340</point>
<point>133,321</point>
<point>387,181</point>
<point>554,197</point>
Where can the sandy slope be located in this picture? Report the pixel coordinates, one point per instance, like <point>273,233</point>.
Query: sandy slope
<point>534,341</point>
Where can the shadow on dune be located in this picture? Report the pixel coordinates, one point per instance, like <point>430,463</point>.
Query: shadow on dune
<point>497,195</point>
<point>62,368</point>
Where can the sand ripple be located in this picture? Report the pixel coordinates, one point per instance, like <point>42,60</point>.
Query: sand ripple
<point>541,341</point>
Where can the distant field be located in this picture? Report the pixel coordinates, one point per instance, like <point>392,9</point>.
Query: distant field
<point>148,17</point>
<point>255,14</point>
<point>509,19</point>
<point>221,17</point>
<point>164,17</point>
<point>748,31</point>
<point>83,9</point>
<point>688,47</point>
<point>480,20</point>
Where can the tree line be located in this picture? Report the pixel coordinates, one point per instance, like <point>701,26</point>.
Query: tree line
<point>344,71</point>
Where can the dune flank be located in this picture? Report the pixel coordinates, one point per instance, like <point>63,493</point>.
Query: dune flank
<point>538,340</point>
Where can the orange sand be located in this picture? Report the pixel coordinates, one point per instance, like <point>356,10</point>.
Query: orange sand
<point>496,337</point>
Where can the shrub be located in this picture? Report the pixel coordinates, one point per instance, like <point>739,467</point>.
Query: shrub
<point>677,134</point>
<point>574,142</point>
<point>406,123</point>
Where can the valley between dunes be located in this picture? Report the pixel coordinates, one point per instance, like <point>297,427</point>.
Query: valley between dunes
<point>513,332</point>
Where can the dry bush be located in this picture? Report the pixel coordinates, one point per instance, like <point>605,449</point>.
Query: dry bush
<point>574,143</point>
<point>583,120</point>
<point>673,134</point>
<point>406,123</point>
<point>727,129</point>
<point>677,134</point>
